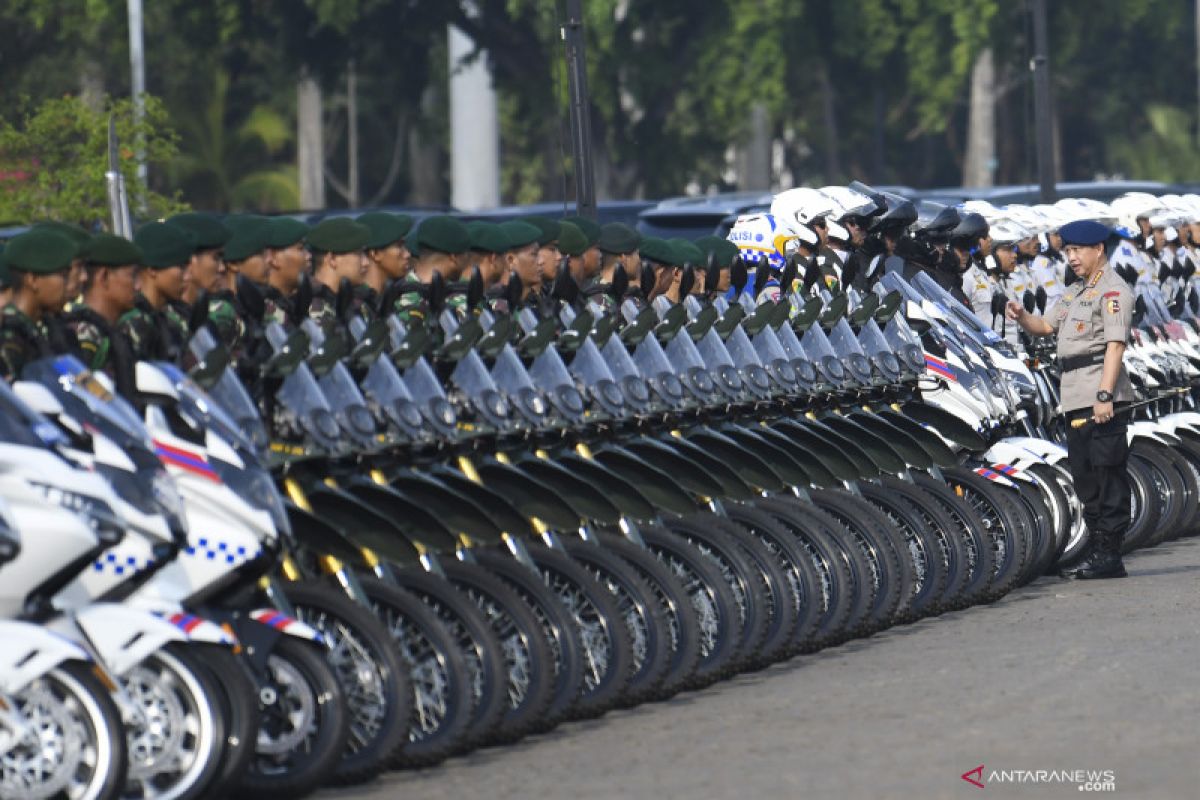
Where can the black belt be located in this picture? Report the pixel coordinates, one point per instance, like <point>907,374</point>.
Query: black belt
<point>1070,363</point>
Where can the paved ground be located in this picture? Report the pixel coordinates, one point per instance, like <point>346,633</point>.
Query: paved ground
<point>1057,676</point>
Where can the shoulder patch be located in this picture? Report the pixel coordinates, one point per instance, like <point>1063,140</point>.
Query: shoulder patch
<point>1111,294</point>
<point>1112,304</point>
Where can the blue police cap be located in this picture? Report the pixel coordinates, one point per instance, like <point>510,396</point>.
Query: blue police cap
<point>1084,232</point>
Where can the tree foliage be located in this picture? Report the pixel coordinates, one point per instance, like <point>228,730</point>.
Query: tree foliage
<point>874,89</point>
<point>53,160</point>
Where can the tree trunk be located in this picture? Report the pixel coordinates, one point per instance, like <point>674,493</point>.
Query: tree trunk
<point>979,165</point>
<point>91,83</point>
<point>352,136</point>
<point>425,158</point>
<point>310,149</point>
<point>833,159</point>
<point>754,154</point>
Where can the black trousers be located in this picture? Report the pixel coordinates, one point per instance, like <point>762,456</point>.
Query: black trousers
<point>1097,456</point>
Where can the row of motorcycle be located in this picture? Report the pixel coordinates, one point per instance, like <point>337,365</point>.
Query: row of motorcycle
<point>390,544</point>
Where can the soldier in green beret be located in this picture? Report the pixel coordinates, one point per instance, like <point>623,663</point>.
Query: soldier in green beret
<point>591,229</point>
<point>548,254</point>
<point>110,285</point>
<point>686,255</point>
<point>521,259</point>
<point>337,246</point>
<point>388,257</point>
<point>80,237</point>
<point>441,245</point>
<point>206,270</point>
<point>488,246</point>
<point>243,257</point>
<point>154,330</point>
<point>287,259</point>
<point>722,252</point>
<point>660,256</point>
<point>618,245</point>
<point>37,263</point>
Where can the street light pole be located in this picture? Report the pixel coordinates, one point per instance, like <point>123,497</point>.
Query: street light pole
<point>581,129</point>
<point>137,63</point>
<point>1043,113</point>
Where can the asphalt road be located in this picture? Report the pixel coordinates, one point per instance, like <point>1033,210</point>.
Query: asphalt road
<point>1055,677</point>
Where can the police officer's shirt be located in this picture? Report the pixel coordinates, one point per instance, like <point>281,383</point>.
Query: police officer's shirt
<point>978,288</point>
<point>1087,318</point>
<point>1046,272</point>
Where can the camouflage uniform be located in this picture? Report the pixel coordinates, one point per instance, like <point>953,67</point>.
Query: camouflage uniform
<point>323,309</point>
<point>277,308</point>
<point>154,334</point>
<point>411,305</point>
<point>226,317</point>
<point>103,347</point>
<point>21,340</point>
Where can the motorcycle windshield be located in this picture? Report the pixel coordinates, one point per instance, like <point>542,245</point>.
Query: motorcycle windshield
<point>843,340</point>
<point>21,425</point>
<point>619,362</point>
<point>963,315</point>
<point>300,395</point>
<point>510,375</point>
<point>588,366</point>
<point>872,340</point>
<point>206,410</point>
<point>79,389</point>
<point>347,403</point>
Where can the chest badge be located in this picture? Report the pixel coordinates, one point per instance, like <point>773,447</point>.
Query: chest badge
<point>1080,327</point>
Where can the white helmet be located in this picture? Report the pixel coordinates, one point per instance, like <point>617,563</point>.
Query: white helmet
<point>1005,232</point>
<point>796,208</point>
<point>760,236</point>
<point>1132,205</point>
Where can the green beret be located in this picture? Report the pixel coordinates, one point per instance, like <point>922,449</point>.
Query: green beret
<point>520,234</point>
<point>208,231</point>
<point>487,237</point>
<point>547,226</point>
<point>386,229</point>
<point>658,250</point>
<point>590,229</point>
<point>338,235</point>
<point>40,252</point>
<point>249,239</point>
<point>443,234</point>
<point>284,232</point>
<point>164,246</point>
<point>687,253</point>
<point>107,250</point>
<point>571,241</point>
<point>73,232</point>
<point>723,250</point>
<point>618,238</point>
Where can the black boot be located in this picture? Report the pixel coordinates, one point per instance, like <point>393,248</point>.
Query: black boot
<point>1089,556</point>
<point>1105,562</point>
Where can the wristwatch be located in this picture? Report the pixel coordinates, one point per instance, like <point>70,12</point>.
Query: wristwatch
<point>1104,397</point>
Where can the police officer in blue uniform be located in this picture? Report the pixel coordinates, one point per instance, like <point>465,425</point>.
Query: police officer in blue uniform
<point>1093,322</point>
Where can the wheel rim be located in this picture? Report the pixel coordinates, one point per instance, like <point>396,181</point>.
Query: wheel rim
<point>430,676</point>
<point>289,720</point>
<point>593,628</point>
<point>362,677</point>
<point>513,643</point>
<point>708,615</point>
<point>172,737</point>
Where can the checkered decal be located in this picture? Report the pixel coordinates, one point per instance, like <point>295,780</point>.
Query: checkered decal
<point>214,550</point>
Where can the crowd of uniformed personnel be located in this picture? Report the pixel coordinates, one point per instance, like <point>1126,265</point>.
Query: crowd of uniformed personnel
<point>113,302</point>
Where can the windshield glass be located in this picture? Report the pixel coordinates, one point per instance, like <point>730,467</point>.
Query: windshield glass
<point>71,381</point>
